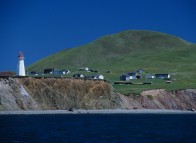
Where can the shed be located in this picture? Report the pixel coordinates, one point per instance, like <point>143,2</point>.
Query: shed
<point>149,76</point>
<point>49,71</point>
<point>162,76</point>
<point>140,71</point>
<point>98,76</point>
<point>125,77</point>
<point>132,75</point>
<point>78,75</point>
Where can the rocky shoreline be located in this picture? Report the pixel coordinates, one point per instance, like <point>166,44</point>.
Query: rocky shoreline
<point>112,111</point>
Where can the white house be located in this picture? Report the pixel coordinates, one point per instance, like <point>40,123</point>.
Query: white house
<point>66,71</point>
<point>101,76</point>
<point>98,77</point>
<point>132,75</point>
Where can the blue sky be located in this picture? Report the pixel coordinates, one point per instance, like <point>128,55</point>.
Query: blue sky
<point>40,28</point>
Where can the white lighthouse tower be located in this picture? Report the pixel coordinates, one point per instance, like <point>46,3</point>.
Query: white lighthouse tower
<point>21,67</point>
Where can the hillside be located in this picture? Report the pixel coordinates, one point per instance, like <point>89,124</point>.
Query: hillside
<point>128,51</point>
<point>120,48</point>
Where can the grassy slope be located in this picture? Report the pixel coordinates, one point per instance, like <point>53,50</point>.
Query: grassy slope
<point>130,50</point>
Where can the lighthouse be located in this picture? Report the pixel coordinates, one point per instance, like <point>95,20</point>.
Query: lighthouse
<point>21,67</point>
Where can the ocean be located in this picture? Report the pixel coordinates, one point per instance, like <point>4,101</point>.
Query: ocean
<point>98,128</point>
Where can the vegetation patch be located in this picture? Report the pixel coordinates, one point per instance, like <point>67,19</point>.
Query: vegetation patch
<point>150,97</point>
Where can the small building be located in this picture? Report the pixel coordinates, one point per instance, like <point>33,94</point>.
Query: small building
<point>86,69</point>
<point>140,71</point>
<point>97,77</point>
<point>162,76</point>
<point>7,74</point>
<point>149,76</point>
<point>78,75</point>
<point>49,71</point>
<point>66,71</point>
<point>101,76</point>
<point>57,72</point>
<point>32,72</point>
<point>61,72</point>
<point>125,77</point>
<point>132,75</point>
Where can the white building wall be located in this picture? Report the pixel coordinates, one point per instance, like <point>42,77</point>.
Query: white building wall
<point>21,68</point>
<point>101,77</point>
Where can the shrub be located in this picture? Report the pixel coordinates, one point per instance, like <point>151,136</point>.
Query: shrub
<point>150,97</point>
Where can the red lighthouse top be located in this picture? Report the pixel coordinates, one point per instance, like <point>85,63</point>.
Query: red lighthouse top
<point>20,56</point>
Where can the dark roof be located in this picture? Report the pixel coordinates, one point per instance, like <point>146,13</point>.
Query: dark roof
<point>125,75</point>
<point>140,70</point>
<point>5,74</point>
<point>131,73</point>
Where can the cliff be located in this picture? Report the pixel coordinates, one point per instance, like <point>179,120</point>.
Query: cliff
<point>13,96</point>
<point>161,99</point>
<point>61,93</point>
<point>52,93</point>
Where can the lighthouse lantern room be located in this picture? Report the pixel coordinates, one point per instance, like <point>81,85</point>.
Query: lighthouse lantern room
<point>21,67</point>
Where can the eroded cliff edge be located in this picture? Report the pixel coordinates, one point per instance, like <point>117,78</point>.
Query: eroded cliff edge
<point>61,93</point>
<point>161,99</point>
<point>56,93</point>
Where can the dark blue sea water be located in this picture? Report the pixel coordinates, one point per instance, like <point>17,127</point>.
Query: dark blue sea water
<point>95,128</point>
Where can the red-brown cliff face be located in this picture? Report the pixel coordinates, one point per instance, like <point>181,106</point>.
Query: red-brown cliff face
<point>161,99</point>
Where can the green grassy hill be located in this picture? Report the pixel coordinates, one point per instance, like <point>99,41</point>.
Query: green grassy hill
<point>128,51</point>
